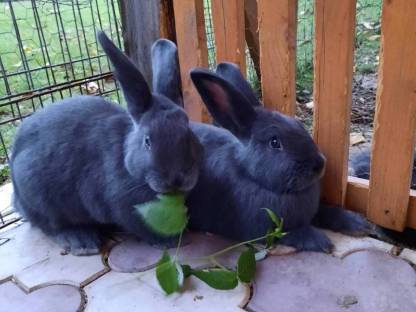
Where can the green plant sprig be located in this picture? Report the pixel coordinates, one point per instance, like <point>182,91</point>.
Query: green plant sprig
<point>166,217</point>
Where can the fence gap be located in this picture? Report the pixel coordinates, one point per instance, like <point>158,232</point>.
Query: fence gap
<point>395,117</point>
<point>192,51</point>
<point>277,36</point>
<point>333,68</point>
<point>229,31</point>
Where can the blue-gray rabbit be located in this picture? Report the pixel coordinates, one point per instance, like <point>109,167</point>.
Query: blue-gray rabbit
<point>85,161</point>
<point>359,166</point>
<point>259,159</point>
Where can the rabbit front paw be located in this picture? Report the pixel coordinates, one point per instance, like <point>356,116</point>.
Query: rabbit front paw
<point>79,242</point>
<point>307,238</point>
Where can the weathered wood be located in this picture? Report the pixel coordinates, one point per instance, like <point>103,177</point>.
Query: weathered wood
<point>333,60</point>
<point>277,33</point>
<point>229,31</point>
<point>252,33</point>
<point>143,22</point>
<point>357,199</point>
<point>395,116</point>
<point>192,51</point>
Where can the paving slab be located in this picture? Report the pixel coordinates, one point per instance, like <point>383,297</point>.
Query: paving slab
<point>136,256</point>
<point>34,259</point>
<point>6,192</point>
<point>364,281</point>
<point>51,298</point>
<point>408,255</point>
<point>140,292</point>
<point>344,244</point>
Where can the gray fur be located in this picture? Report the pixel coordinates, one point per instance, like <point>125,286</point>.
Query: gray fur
<point>241,174</point>
<point>85,162</point>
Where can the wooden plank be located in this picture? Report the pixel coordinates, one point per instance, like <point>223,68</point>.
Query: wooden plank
<point>252,33</point>
<point>277,34</point>
<point>228,20</point>
<point>357,199</point>
<point>333,68</point>
<point>192,52</point>
<point>395,116</point>
<point>143,22</point>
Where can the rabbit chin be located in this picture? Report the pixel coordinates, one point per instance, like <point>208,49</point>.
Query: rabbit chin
<point>159,186</point>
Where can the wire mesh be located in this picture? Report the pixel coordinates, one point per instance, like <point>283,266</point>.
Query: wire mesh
<point>49,51</point>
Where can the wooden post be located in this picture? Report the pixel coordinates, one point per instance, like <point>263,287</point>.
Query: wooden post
<point>229,31</point>
<point>143,22</point>
<point>333,68</point>
<point>395,117</point>
<point>252,34</point>
<point>277,31</point>
<point>192,51</point>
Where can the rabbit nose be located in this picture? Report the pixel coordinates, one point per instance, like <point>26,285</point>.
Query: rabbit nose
<point>178,181</point>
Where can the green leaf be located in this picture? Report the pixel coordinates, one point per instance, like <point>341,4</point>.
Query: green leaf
<point>169,274</point>
<point>246,266</point>
<point>166,215</point>
<point>273,216</point>
<point>217,278</point>
<point>187,270</point>
<point>270,238</point>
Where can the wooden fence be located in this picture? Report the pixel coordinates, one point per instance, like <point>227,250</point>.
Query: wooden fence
<point>386,199</point>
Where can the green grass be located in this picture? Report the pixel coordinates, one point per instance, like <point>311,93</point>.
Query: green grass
<point>77,41</point>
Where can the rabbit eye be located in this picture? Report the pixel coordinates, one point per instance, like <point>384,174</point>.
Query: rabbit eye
<point>275,143</point>
<point>147,142</point>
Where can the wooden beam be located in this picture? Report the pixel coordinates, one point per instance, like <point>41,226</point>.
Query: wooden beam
<point>192,52</point>
<point>143,22</point>
<point>229,31</point>
<point>252,33</point>
<point>357,199</point>
<point>333,68</point>
<point>395,116</point>
<point>277,33</point>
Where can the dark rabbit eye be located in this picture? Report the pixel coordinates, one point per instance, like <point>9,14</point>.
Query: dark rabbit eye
<point>275,143</point>
<point>147,142</point>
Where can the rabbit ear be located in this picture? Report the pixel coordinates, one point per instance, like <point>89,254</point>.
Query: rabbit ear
<point>232,73</point>
<point>227,105</point>
<point>134,86</point>
<point>166,75</point>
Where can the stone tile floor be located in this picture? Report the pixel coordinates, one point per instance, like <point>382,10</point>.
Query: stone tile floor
<point>362,274</point>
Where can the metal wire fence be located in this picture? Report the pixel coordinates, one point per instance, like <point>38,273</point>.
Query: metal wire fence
<point>49,51</point>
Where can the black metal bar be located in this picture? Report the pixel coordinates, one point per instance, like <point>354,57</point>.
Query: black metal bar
<point>3,144</point>
<point>65,86</point>
<point>21,50</point>
<point>6,84</point>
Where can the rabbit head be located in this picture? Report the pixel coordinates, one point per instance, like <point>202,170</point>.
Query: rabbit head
<point>275,150</point>
<point>160,146</point>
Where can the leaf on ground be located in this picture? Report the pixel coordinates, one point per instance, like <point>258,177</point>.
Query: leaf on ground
<point>169,274</point>
<point>166,215</point>
<point>217,278</point>
<point>246,266</point>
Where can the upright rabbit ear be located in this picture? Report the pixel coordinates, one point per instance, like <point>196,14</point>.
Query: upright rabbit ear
<point>232,73</point>
<point>227,105</point>
<point>134,86</point>
<point>166,75</point>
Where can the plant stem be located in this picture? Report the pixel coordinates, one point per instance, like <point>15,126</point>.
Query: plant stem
<point>178,246</point>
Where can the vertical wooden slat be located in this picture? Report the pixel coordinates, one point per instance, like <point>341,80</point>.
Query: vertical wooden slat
<point>252,34</point>
<point>277,34</point>
<point>143,22</point>
<point>228,19</point>
<point>395,117</point>
<point>333,68</point>
<point>192,51</point>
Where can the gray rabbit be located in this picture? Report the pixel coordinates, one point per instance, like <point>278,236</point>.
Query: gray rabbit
<point>84,161</point>
<point>259,159</point>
